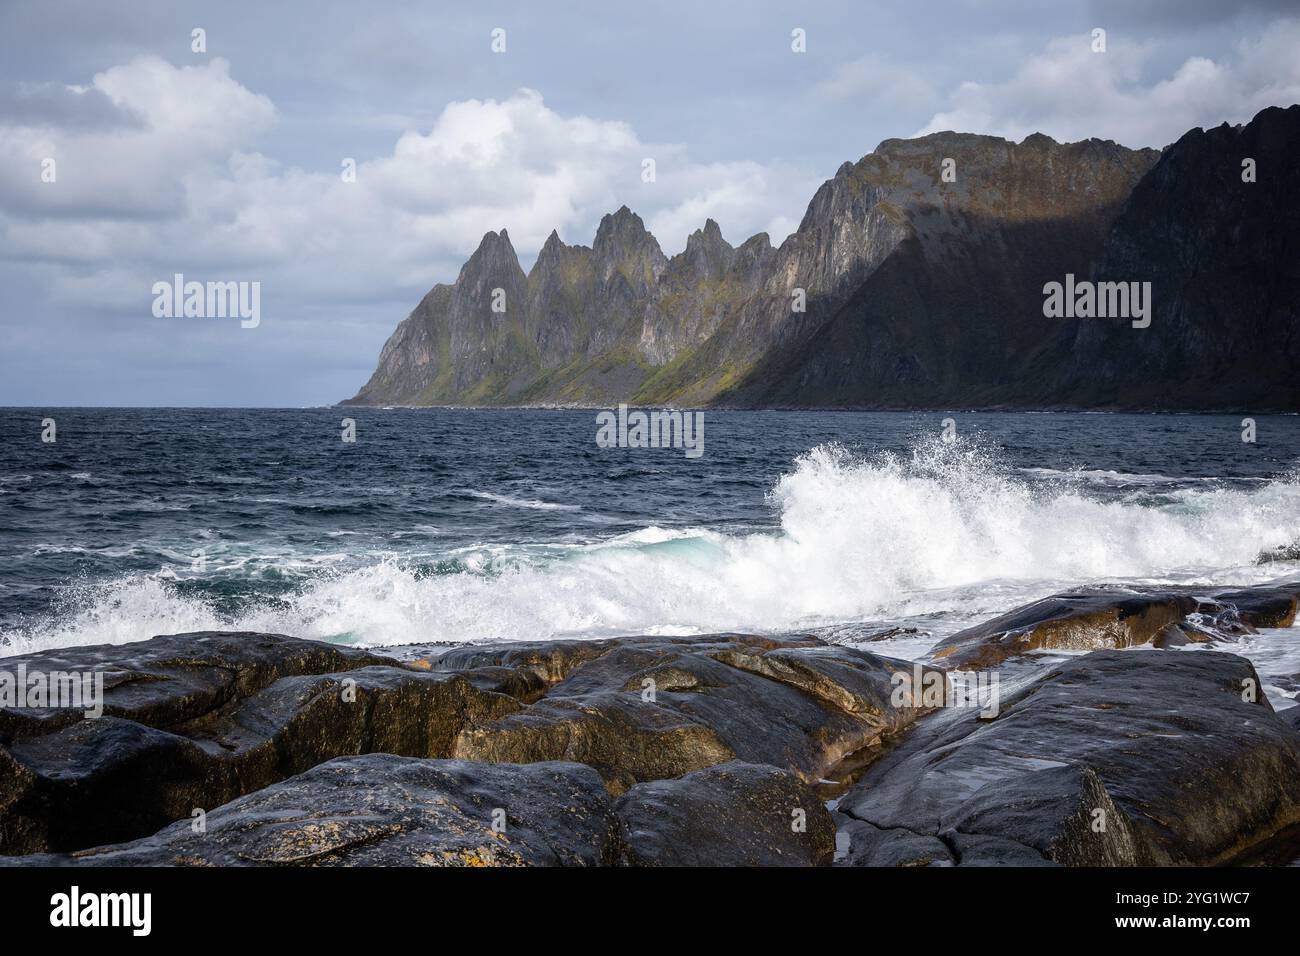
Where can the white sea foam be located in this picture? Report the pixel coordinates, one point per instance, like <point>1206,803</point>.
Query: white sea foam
<point>529,503</point>
<point>947,533</point>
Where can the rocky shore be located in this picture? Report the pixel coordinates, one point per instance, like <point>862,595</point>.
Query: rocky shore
<point>259,749</point>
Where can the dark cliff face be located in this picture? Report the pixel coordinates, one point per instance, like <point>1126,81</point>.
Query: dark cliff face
<point>1223,259</point>
<point>951,314</point>
<point>918,290</point>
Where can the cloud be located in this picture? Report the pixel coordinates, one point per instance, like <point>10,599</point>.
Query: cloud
<point>1183,14</point>
<point>167,124</point>
<point>184,188</point>
<point>1070,93</point>
<point>871,78</point>
<point>182,192</point>
<point>66,107</point>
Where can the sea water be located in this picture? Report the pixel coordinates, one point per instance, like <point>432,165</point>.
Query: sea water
<point>458,525</point>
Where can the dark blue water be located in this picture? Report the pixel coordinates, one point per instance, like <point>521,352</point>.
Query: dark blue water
<point>465,525</point>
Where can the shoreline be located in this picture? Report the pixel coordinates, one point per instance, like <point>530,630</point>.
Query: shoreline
<point>682,750</point>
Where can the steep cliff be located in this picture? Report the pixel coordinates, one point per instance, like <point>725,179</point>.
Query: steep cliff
<point>918,288</point>
<point>1222,255</point>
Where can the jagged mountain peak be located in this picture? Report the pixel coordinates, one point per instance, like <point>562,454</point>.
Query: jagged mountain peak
<point>942,139</point>
<point>708,254</point>
<point>710,234</point>
<point>494,259</point>
<point>553,248</point>
<point>623,246</point>
<point>558,261</point>
<point>708,238</point>
<point>619,230</point>
<point>919,289</point>
<point>1038,140</point>
<point>494,244</point>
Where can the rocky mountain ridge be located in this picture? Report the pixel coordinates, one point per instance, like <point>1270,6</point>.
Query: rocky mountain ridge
<point>915,279</point>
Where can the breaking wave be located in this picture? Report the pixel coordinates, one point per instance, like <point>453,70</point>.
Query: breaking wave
<point>858,538</point>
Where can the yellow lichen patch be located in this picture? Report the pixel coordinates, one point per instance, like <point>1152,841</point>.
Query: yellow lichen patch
<point>481,856</point>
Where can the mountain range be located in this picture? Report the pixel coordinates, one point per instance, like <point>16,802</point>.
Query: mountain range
<point>914,280</point>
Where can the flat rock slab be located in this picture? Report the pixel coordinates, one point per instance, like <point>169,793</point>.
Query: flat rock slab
<point>177,677</point>
<point>732,814</point>
<point>548,661</point>
<point>1113,619</point>
<point>193,721</point>
<point>1126,758</point>
<point>645,709</point>
<point>383,810</point>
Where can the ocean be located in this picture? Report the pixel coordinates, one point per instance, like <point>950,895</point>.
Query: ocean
<point>458,525</point>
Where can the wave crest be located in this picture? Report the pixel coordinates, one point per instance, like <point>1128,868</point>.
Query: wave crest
<point>945,528</point>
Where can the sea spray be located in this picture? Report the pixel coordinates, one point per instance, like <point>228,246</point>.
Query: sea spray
<point>944,530</point>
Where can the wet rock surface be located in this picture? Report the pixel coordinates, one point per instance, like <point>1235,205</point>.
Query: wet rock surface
<point>1071,622</point>
<point>1113,758</point>
<point>1291,717</point>
<point>650,708</point>
<point>177,677</point>
<point>860,844</point>
<point>1102,619</point>
<point>1263,607</point>
<point>732,814</point>
<point>713,750</point>
<point>193,721</point>
<point>382,810</point>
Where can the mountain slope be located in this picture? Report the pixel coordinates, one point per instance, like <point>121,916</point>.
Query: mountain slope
<point>920,290</point>
<point>1223,259</point>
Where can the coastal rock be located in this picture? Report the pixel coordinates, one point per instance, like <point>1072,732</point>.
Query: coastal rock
<point>712,743</point>
<point>860,844</point>
<point>548,661</point>
<point>731,814</point>
<point>1286,552</point>
<point>178,677</point>
<point>1263,607</point>
<point>1290,716</point>
<point>1100,619</point>
<point>1132,758</point>
<point>193,721</point>
<point>651,708</point>
<point>1088,620</point>
<point>384,810</point>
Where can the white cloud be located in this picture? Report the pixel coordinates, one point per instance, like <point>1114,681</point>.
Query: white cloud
<point>1072,93</point>
<point>181,120</point>
<point>185,191</point>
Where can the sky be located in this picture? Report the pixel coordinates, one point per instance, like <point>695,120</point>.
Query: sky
<point>230,163</point>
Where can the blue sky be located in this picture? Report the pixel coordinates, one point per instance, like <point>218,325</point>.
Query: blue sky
<point>225,164</point>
